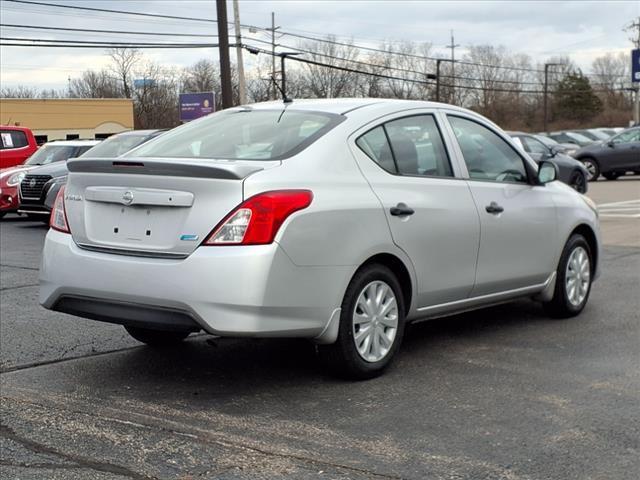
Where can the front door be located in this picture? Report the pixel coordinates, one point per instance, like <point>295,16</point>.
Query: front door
<point>431,213</point>
<point>518,243</point>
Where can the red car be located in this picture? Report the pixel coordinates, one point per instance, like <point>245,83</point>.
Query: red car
<point>16,145</point>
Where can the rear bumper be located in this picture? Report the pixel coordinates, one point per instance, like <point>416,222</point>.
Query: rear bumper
<point>227,291</point>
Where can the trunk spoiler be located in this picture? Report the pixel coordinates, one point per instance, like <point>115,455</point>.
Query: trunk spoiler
<point>172,167</point>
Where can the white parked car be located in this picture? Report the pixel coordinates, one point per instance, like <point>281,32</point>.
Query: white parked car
<point>339,221</point>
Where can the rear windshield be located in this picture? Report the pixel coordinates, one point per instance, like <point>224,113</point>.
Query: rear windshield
<point>115,146</point>
<point>243,135</point>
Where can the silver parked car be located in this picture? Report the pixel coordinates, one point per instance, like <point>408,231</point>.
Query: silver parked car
<point>339,221</point>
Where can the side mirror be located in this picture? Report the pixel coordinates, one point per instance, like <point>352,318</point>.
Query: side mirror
<point>547,172</point>
<point>610,144</point>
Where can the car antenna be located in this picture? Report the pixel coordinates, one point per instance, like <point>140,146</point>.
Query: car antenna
<point>285,99</point>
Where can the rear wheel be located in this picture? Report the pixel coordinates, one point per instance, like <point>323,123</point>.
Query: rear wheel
<point>593,169</point>
<point>371,325</point>
<point>611,175</point>
<point>573,279</point>
<point>156,338</point>
<point>578,182</point>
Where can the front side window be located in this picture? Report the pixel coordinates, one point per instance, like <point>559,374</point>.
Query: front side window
<point>535,146</point>
<point>242,135</point>
<point>627,137</point>
<point>408,146</point>
<point>487,156</point>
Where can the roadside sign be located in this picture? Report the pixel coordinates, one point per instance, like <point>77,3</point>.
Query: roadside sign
<point>635,65</point>
<point>196,105</point>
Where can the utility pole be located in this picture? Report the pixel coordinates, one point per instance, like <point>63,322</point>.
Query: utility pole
<point>273,29</point>
<point>242,86</point>
<point>546,90</point>
<point>438,61</point>
<point>453,47</point>
<point>225,65</point>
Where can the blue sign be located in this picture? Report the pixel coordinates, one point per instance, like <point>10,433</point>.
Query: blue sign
<point>196,105</point>
<point>635,65</point>
<point>144,82</point>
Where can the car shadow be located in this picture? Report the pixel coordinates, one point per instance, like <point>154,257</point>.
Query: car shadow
<point>226,370</point>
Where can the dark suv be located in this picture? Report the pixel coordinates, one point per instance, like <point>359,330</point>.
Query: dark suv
<point>614,157</point>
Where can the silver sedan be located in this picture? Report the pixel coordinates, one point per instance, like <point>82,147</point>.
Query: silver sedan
<point>339,221</point>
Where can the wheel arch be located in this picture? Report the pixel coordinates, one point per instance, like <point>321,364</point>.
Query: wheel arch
<point>590,236</point>
<point>399,269</point>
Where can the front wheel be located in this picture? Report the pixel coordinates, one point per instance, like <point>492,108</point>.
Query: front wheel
<point>156,338</point>
<point>578,182</point>
<point>573,279</point>
<point>593,169</point>
<point>371,325</point>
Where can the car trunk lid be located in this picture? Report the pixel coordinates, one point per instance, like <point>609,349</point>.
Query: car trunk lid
<point>152,207</point>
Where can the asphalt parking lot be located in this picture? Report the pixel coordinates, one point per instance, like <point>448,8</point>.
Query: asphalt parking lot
<point>502,393</point>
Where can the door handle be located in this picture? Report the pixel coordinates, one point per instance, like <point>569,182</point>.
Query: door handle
<point>494,208</point>
<point>401,210</point>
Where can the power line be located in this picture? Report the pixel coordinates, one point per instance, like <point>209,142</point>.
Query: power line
<point>108,10</point>
<point>316,39</point>
<point>390,77</point>
<point>109,43</point>
<point>89,30</point>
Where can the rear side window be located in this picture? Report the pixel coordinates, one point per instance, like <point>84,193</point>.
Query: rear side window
<point>12,139</point>
<point>408,146</point>
<point>243,135</point>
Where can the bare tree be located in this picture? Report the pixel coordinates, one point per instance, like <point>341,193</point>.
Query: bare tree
<point>94,84</point>
<point>155,102</point>
<point>21,91</point>
<point>124,61</point>
<point>327,82</point>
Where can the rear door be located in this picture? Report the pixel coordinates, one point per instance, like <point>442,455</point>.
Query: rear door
<point>430,212</point>
<point>518,242</point>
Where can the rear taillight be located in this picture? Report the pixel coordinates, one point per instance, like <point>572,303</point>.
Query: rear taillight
<point>58,220</point>
<point>257,220</point>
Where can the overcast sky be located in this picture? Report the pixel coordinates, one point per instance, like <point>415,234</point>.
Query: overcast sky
<point>581,29</point>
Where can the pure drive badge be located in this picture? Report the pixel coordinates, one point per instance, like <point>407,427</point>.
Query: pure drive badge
<point>189,237</point>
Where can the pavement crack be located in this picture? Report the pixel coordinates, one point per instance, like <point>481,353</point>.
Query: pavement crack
<point>18,286</point>
<point>19,267</point>
<point>76,460</point>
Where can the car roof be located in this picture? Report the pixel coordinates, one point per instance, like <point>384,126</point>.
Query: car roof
<point>342,106</point>
<point>137,132</point>
<point>15,127</point>
<point>73,143</point>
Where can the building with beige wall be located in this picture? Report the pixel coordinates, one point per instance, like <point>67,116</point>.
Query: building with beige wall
<point>68,118</point>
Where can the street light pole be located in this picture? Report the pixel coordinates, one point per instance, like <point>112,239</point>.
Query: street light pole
<point>438,61</point>
<point>546,88</point>
<point>242,86</point>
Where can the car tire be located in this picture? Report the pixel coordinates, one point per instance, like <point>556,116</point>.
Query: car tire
<point>573,279</point>
<point>611,175</point>
<point>593,168</point>
<point>156,338</point>
<point>578,182</point>
<point>375,350</point>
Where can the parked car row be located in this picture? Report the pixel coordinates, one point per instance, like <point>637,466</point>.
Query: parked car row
<point>610,152</point>
<point>31,188</point>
